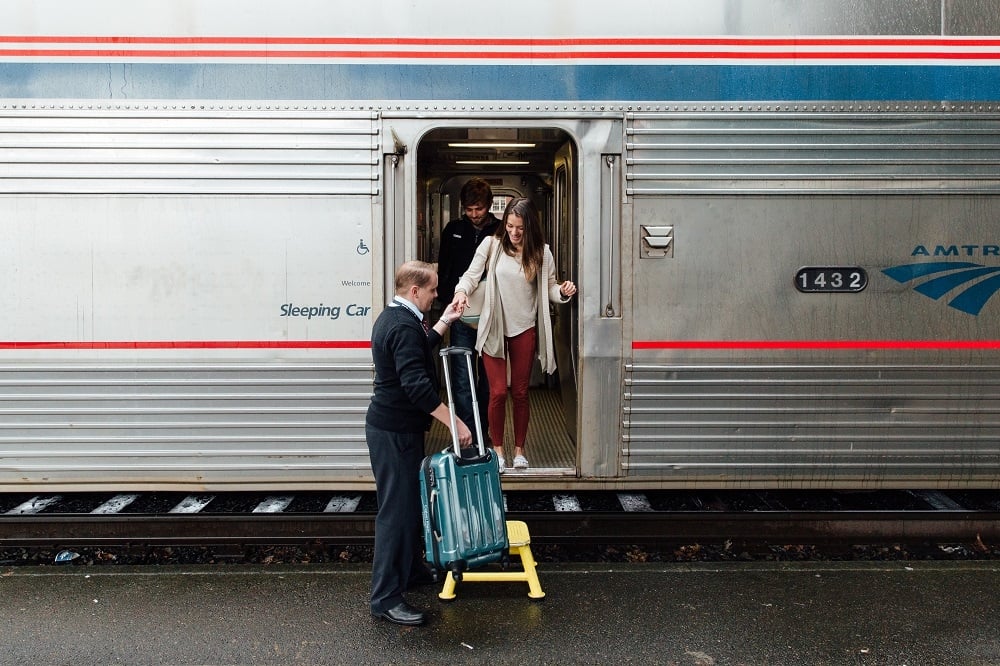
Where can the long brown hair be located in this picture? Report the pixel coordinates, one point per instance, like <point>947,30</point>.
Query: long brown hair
<point>533,245</point>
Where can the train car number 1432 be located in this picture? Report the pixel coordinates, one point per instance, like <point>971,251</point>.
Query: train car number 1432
<point>840,279</point>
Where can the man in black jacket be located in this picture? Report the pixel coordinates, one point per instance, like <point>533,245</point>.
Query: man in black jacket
<point>405,399</point>
<point>459,240</point>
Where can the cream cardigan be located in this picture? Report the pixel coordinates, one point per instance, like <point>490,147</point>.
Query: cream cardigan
<point>490,338</point>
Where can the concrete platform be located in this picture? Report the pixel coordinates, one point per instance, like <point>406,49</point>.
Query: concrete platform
<point>687,614</point>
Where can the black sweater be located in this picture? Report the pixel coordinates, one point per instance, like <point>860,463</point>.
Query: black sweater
<point>459,240</point>
<point>406,386</point>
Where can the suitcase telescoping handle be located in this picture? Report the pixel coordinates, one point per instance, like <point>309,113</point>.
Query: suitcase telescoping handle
<point>446,352</point>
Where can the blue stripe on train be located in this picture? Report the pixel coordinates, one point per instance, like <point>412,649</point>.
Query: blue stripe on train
<point>497,82</point>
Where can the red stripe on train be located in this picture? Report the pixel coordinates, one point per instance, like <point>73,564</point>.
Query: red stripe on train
<point>525,42</point>
<point>760,56</point>
<point>194,344</point>
<point>816,344</point>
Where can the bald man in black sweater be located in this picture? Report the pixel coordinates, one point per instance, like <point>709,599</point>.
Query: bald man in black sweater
<point>406,397</point>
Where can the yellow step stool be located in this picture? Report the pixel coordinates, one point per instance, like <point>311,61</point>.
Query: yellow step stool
<point>520,544</point>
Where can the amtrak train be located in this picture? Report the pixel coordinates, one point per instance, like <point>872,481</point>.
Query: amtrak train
<point>783,219</point>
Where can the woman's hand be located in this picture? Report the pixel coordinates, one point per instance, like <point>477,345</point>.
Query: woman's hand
<point>460,301</point>
<point>567,289</point>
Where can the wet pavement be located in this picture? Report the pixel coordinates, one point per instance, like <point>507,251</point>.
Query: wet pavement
<point>911,613</point>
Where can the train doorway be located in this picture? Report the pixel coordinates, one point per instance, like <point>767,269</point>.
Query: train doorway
<point>533,162</point>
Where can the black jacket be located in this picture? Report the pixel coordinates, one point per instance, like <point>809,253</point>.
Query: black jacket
<point>406,385</point>
<point>459,241</point>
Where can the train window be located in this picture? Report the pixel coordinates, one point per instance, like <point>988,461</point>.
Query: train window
<point>500,202</point>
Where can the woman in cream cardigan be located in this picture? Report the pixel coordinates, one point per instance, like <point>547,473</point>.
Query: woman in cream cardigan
<point>520,283</point>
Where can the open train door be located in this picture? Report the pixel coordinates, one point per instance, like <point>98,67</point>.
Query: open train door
<point>571,168</point>
<point>600,217</point>
<point>564,318</point>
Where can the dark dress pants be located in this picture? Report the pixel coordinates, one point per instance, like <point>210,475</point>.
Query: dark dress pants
<point>395,458</point>
<point>462,335</point>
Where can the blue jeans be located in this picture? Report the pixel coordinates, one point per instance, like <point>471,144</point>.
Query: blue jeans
<point>465,336</point>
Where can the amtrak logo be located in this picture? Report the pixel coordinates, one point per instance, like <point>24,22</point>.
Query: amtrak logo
<point>939,278</point>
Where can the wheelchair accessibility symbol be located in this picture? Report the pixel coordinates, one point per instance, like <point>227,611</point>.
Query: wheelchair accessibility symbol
<point>362,248</point>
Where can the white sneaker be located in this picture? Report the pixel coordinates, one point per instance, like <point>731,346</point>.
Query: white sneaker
<point>520,462</point>
<point>501,463</point>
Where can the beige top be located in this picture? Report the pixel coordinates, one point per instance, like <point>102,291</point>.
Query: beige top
<point>517,296</point>
<point>492,321</point>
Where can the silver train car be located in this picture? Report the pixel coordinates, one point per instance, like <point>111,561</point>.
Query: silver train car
<point>782,217</point>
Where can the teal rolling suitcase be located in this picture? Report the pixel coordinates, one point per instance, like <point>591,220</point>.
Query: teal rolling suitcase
<point>463,511</point>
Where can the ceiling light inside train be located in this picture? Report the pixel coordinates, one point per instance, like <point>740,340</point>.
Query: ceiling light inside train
<point>492,162</point>
<point>490,145</point>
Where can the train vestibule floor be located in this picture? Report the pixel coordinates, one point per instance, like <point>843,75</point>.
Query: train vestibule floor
<point>548,448</point>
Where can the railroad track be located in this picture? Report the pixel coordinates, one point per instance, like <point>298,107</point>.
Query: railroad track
<point>649,519</point>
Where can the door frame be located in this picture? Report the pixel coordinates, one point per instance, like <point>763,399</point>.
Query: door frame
<point>599,144</point>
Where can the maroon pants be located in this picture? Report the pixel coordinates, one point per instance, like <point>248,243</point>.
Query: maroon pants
<point>520,351</point>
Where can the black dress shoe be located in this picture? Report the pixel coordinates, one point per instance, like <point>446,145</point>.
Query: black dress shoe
<point>403,613</point>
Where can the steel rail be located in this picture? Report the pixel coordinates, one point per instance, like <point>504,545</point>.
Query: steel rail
<point>570,528</point>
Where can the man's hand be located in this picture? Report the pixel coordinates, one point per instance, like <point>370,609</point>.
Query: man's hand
<point>451,313</point>
<point>464,434</point>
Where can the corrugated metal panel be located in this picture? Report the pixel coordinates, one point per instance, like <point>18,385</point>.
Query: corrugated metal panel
<point>811,151</point>
<point>130,425</point>
<point>194,148</point>
<point>792,425</point>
